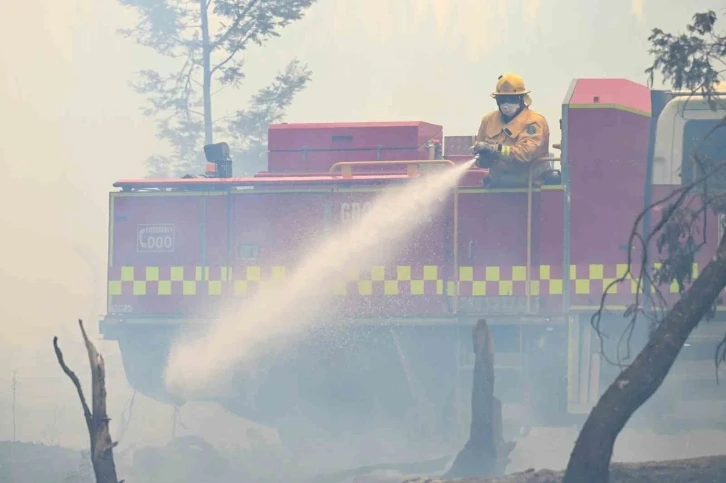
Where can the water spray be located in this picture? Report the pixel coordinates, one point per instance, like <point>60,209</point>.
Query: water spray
<point>200,361</point>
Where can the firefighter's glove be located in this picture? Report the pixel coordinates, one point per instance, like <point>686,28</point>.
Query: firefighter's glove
<point>485,154</point>
<point>484,147</point>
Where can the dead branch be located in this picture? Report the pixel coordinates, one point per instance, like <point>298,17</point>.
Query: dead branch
<point>97,420</point>
<point>72,375</point>
<point>486,453</point>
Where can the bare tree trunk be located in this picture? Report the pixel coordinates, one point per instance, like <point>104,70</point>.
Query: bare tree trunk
<point>590,458</point>
<point>485,454</point>
<point>207,67</point>
<point>96,420</point>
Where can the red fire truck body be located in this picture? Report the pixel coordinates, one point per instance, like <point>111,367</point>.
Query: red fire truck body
<point>534,261</point>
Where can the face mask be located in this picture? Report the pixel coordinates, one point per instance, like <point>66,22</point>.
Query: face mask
<point>509,109</point>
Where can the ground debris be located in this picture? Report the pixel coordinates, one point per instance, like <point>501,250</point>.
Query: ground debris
<point>709,469</point>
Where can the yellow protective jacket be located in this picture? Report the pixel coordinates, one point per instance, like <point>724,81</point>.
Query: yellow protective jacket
<point>524,139</point>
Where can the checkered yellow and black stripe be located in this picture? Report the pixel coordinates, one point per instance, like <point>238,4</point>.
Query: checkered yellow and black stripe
<point>394,280</point>
<point>179,280</point>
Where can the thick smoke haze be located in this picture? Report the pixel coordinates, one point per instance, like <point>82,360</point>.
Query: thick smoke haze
<point>70,125</point>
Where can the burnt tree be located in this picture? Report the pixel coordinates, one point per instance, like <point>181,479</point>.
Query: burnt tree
<point>686,61</point>
<point>486,453</point>
<point>590,459</point>
<point>97,420</point>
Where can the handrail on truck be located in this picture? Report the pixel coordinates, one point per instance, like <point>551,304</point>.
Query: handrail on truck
<point>346,167</point>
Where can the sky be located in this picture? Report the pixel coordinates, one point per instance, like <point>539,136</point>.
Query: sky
<point>71,125</point>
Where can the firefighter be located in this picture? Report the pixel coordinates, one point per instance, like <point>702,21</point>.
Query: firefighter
<point>513,136</point>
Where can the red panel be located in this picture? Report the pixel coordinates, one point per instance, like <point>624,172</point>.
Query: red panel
<point>493,233</point>
<point>359,135</point>
<point>492,228</point>
<point>190,277</point>
<point>316,147</point>
<point>199,240</point>
<point>549,235</point>
<point>281,225</point>
<point>184,213</point>
<point>277,181</point>
<point>321,161</point>
<point>217,244</point>
<point>621,92</point>
<point>342,125</point>
<point>548,241</point>
<point>608,151</point>
<point>287,226</point>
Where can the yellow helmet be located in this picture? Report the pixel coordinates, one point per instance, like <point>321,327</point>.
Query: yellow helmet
<point>511,84</point>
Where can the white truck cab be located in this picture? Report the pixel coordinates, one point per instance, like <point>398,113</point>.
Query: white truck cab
<point>682,126</point>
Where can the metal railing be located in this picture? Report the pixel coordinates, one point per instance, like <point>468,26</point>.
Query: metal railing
<point>412,166</point>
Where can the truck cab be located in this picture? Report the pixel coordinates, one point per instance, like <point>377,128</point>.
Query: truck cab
<point>683,125</point>
<point>691,124</point>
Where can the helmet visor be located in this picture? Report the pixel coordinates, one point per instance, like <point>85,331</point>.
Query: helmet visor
<point>509,99</point>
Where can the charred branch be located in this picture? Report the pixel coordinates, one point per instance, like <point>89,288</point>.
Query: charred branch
<point>486,453</point>
<point>97,420</point>
<point>72,375</point>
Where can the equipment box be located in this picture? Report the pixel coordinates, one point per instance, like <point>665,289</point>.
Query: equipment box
<point>300,148</point>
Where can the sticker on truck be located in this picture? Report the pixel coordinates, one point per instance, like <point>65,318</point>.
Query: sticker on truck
<point>155,238</point>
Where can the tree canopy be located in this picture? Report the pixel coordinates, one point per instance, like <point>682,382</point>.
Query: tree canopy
<point>694,60</point>
<point>205,41</point>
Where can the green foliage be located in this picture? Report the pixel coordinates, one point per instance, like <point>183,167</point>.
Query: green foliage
<point>677,245</point>
<point>693,61</point>
<point>205,39</point>
<point>247,129</point>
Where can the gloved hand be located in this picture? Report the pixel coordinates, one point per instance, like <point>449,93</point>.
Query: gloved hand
<point>485,147</point>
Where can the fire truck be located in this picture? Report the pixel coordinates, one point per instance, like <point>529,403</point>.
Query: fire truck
<point>532,260</point>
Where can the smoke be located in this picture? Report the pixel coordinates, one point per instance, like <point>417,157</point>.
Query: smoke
<point>66,113</point>
<point>531,12</point>
<point>71,127</point>
<point>474,26</point>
